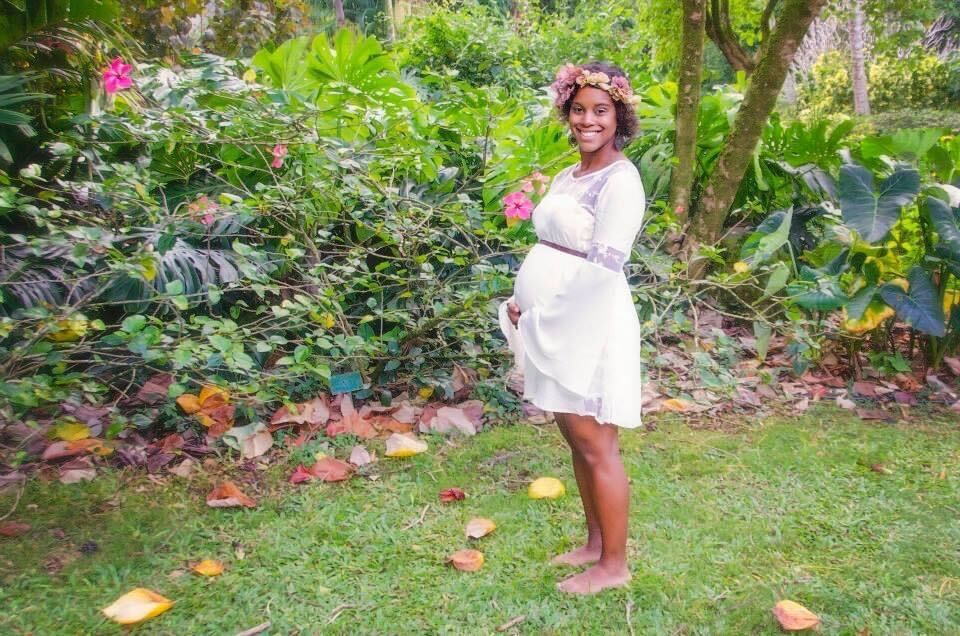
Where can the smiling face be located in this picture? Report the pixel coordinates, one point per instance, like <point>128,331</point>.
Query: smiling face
<point>593,120</point>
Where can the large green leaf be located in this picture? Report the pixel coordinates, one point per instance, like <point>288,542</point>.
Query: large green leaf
<point>769,237</point>
<point>944,221</point>
<point>814,291</point>
<point>286,66</point>
<point>869,213</point>
<point>908,143</point>
<point>919,305</point>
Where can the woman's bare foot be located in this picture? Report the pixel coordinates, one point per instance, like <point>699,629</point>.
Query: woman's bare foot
<point>581,556</point>
<point>594,580</point>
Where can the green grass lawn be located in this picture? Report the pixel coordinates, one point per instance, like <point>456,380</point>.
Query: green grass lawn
<point>723,525</point>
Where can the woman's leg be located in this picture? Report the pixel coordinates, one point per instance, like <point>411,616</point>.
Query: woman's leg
<point>590,552</point>
<point>598,445</point>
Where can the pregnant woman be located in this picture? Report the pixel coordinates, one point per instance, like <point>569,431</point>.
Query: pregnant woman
<point>571,323</point>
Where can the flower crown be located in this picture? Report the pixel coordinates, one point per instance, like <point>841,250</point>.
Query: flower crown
<point>570,78</point>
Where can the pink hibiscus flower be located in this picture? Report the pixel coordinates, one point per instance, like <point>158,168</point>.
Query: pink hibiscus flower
<point>517,206</point>
<point>279,152</point>
<point>116,77</point>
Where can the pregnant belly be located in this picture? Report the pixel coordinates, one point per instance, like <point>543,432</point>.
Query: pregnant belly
<point>542,276</point>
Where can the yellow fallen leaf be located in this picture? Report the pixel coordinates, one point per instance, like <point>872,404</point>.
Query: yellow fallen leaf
<point>479,527</point>
<point>546,488</point>
<point>794,617</point>
<point>70,431</point>
<point>189,403</point>
<point>210,391</point>
<point>400,445</point>
<point>466,560</point>
<point>208,567</point>
<point>137,605</point>
<point>675,404</point>
<point>425,392</point>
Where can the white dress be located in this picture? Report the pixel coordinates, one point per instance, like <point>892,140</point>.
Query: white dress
<point>577,343</point>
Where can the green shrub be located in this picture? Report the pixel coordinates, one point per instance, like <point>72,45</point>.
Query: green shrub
<point>918,80</point>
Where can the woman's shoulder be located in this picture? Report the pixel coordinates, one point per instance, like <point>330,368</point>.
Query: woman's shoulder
<point>624,176</point>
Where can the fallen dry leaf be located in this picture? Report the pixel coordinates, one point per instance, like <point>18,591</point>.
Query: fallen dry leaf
<point>845,403</point>
<point>185,468</point>
<point>211,408</point>
<point>874,414</point>
<point>546,488</point>
<point>315,412</point>
<point>400,445</point>
<point>360,456</point>
<point>136,606</point>
<point>301,475</point>
<point>70,431</point>
<point>330,469</point>
<point>466,560</point>
<point>880,468</point>
<point>77,470</point>
<point>452,494</point>
<point>449,419</point>
<point>257,444</point>
<point>794,617</point>
<point>479,527</point>
<point>13,528</point>
<point>802,405</point>
<point>60,450</point>
<point>352,424</point>
<point>227,495</point>
<point>865,389</point>
<point>188,403</point>
<point>675,404</point>
<point>209,567</point>
<point>154,390</point>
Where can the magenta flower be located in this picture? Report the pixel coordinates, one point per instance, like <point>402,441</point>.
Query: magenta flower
<point>208,219</point>
<point>279,152</point>
<point>116,77</point>
<point>517,206</point>
<point>541,180</point>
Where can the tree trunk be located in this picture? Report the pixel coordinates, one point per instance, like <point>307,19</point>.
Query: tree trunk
<point>718,29</point>
<point>338,11</point>
<point>765,83</point>
<point>688,105</point>
<point>391,22</point>
<point>861,102</point>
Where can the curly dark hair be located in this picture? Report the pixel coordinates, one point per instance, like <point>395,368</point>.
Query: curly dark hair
<point>627,123</point>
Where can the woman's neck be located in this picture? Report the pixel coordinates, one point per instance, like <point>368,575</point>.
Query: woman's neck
<point>598,160</point>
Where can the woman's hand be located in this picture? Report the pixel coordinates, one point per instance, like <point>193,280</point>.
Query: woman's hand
<point>513,313</point>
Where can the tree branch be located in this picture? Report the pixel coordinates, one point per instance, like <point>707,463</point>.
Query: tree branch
<point>765,20</point>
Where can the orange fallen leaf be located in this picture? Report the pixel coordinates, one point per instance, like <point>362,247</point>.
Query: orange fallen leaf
<point>452,494</point>
<point>330,469</point>
<point>136,606</point>
<point>211,395</point>
<point>209,567</point>
<point>466,560</point>
<point>188,403</point>
<point>59,450</point>
<point>794,617</point>
<point>352,424</point>
<point>227,495</point>
<point>479,527</point>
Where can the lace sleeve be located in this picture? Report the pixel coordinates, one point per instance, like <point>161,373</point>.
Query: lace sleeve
<point>620,209</point>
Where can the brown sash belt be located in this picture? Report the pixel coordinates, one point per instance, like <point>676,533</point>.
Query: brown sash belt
<point>566,250</point>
